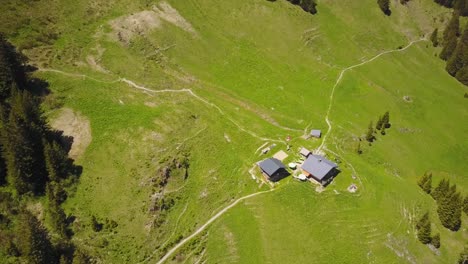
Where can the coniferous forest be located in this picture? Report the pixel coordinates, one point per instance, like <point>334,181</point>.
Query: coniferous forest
<point>34,165</point>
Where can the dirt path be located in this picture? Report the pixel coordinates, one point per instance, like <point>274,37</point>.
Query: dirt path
<point>151,91</point>
<point>167,240</point>
<point>340,77</point>
<point>204,226</point>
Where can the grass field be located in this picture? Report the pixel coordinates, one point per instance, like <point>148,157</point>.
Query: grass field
<point>254,72</point>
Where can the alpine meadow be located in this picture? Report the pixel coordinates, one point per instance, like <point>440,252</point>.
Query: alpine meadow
<point>241,131</point>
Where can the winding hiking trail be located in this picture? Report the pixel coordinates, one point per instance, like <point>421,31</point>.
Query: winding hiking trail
<point>151,91</point>
<point>340,77</point>
<point>204,226</point>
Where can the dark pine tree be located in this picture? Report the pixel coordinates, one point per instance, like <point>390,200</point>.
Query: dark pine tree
<point>309,6</point>
<point>456,212</point>
<point>451,33</point>
<point>449,209</point>
<point>379,123</point>
<point>434,38</point>
<point>459,57</point>
<point>448,48</point>
<point>424,229</point>
<point>441,190</point>
<point>425,182</point>
<point>385,6</point>
<point>56,213</point>
<point>33,241</point>
<point>435,241</point>
<point>358,148</point>
<point>446,3</point>
<point>386,120</point>
<point>370,133</point>
<point>56,160</point>
<point>427,187</point>
<point>462,75</point>
<point>453,27</point>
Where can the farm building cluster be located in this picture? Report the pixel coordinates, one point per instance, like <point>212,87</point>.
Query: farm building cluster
<point>311,167</point>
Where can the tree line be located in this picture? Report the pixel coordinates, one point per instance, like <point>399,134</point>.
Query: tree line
<point>34,163</point>
<point>459,5</point>
<point>382,124</point>
<point>455,48</point>
<point>309,6</point>
<point>450,206</point>
<point>384,5</point>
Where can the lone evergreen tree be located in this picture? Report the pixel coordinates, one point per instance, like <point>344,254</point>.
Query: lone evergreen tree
<point>370,133</point>
<point>386,120</point>
<point>379,124</point>
<point>434,38</point>
<point>424,229</point>
<point>358,148</point>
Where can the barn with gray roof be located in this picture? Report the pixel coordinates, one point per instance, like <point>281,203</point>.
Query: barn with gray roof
<point>319,168</point>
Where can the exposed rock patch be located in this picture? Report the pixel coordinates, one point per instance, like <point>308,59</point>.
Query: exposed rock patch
<point>124,28</point>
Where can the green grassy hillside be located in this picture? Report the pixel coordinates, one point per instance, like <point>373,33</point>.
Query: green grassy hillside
<point>229,77</point>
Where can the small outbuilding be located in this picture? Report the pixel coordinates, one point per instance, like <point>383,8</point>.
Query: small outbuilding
<point>273,169</point>
<point>316,133</point>
<point>305,152</point>
<point>320,169</point>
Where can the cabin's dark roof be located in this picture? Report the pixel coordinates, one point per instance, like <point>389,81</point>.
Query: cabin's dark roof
<point>271,166</point>
<point>318,166</point>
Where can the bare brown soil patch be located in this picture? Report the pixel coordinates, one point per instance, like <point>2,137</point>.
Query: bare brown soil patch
<point>76,126</point>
